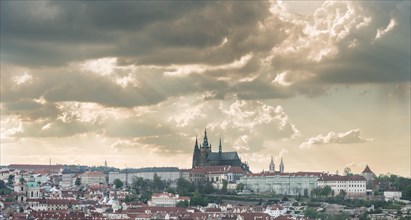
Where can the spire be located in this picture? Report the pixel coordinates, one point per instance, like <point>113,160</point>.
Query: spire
<point>205,142</point>
<point>196,144</point>
<point>281,166</point>
<point>271,167</point>
<point>220,148</point>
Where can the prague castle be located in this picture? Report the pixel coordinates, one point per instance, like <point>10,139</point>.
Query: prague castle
<point>204,157</point>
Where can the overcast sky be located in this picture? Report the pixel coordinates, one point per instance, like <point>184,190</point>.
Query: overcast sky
<point>325,85</point>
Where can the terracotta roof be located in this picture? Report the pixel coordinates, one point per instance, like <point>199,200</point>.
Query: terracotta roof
<point>342,178</point>
<point>35,167</point>
<point>367,170</point>
<point>318,174</point>
<point>93,173</point>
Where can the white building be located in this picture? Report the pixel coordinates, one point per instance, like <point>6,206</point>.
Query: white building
<point>67,180</point>
<point>89,178</point>
<point>275,211</point>
<point>392,195</point>
<point>4,175</point>
<point>353,186</point>
<point>281,183</point>
<point>166,199</point>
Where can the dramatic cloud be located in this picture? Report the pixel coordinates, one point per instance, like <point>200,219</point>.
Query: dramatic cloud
<point>349,137</point>
<point>151,75</point>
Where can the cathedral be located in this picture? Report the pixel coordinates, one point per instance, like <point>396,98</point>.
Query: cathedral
<point>204,157</point>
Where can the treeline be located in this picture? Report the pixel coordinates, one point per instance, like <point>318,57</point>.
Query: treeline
<point>393,182</point>
<point>83,168</point>
<point>142,190</point>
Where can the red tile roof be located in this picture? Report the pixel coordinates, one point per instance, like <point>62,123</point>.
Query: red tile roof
<point>318,174</point>
<point>367,170</point>
<point>93,174</point>
<point>342,178</point>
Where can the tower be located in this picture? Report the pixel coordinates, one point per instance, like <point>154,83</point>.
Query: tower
<point>282,166</point>
<point>196,154</point>
<point>369,176</point>
<point>220,151</point>
<point>272,166</point>
<point>205,141</point>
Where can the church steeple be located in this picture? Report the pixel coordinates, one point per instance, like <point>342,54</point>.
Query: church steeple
<point>220,147</point>
<point>282,166</point>
<point>272,166</point>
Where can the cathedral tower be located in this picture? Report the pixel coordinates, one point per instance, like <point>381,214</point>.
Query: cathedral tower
<point>196,154</point>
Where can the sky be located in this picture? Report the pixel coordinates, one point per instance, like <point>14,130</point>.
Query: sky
<point>325,85</point>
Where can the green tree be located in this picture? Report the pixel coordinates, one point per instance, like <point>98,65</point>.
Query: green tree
<point>171,190</point>
<point>118,183</point>
<point>224,188</point>
<point>197,199</point>
<point>2,184</point>
<point>310,213</point>
<point>326,191</point>
<point>240,187</point>
<point>208,188</point>
<point>407,192</point>
<point>305,192</point>
<point>182,204</point>
<point>184,187</point>
<point>158,184</point>
<point>347,171</point>
<point>77,182</point>
<point>10,179</point>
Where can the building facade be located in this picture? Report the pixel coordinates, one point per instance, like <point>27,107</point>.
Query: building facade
<point>281,183</point>
<point>353,186</point>
<point>166,199</point>
<point>93,177</point>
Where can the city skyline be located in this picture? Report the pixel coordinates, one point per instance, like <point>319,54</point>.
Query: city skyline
<point>325,85</point>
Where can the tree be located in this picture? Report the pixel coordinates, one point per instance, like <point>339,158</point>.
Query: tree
<point>310,213</point>
<point>347,171</point>
<point>182,204</point>
<point>407,192</point>
<point>118,183</point>
<point>158,184</point>
<point>240,187</point>
<point>184,187</point>
<point>224,188</point>
<point>326,191</point>
<point>208,188</point>
<point>305,192</point>
<point>77,182</point>
<point>10,179</point>
<point>197,199</point>
<point>2,184</point>
<point>332,193</point>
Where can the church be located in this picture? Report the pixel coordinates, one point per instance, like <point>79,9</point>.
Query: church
<point>204,157</point>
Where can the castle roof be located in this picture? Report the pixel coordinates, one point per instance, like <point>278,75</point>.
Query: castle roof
<point>224,156</point>
<point>342,178</point>
<point>367,170</point>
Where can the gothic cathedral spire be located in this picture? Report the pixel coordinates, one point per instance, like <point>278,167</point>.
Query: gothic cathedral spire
<point>205,142</point>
